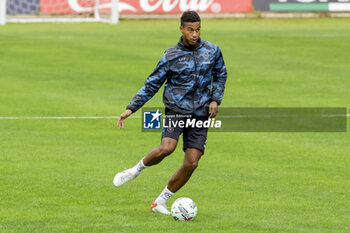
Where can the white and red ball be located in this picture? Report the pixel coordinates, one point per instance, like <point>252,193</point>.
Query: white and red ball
<point>184,209</point>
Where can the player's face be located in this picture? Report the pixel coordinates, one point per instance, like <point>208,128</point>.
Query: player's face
<point>191,33</point>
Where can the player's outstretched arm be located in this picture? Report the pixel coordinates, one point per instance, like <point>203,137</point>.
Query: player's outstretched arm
<point>151,86</point>
<point>122,117</point>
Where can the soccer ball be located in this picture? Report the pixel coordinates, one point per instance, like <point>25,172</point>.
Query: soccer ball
<point>184,209</point>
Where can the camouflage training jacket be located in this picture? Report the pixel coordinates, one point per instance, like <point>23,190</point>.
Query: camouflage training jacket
<point>194,77</point>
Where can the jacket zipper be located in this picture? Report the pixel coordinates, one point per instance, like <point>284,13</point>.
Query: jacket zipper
<point>195,85</point>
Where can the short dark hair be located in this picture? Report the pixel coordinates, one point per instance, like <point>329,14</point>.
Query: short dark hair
<point>190,17</point>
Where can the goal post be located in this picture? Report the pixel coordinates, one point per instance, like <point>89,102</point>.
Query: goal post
<point>114,12</point>
<point>2,12</point>
<point>58,11</point>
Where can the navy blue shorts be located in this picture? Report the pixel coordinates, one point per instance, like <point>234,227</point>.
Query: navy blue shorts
<point>193,136</point>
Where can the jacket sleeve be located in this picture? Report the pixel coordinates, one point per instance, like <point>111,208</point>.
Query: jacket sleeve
<point>219,78</point>
<point>151,86</point>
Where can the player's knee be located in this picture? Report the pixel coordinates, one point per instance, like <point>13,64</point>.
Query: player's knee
<point>190,166</point>
<point>166,149</point>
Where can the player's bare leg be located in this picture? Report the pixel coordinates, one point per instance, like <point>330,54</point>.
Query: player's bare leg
<point>155,156</point>
<point>179,179</point>
<point>181,176</point>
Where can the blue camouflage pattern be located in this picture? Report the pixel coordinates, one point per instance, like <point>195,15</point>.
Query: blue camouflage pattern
<point>194,77</point>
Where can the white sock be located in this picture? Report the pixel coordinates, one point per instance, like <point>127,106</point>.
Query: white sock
<point>164,196</point>
<point>139,167</point>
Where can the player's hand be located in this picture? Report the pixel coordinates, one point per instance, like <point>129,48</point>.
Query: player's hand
<point>213,109</point>
<point>122,117</point>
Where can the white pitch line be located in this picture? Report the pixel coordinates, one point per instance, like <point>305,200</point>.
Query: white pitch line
<point>115,117</point>
<point>63,118</point>
<point>274,116</point>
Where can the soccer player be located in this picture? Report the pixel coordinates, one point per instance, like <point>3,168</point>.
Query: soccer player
<point>195,76</point>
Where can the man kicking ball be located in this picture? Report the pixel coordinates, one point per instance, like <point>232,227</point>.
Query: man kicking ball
<point>195,76</point>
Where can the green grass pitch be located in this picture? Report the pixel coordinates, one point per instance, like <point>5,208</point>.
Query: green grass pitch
<point>56,175</point>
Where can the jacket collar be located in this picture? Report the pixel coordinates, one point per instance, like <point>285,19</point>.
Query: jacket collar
<point>190,48</point>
